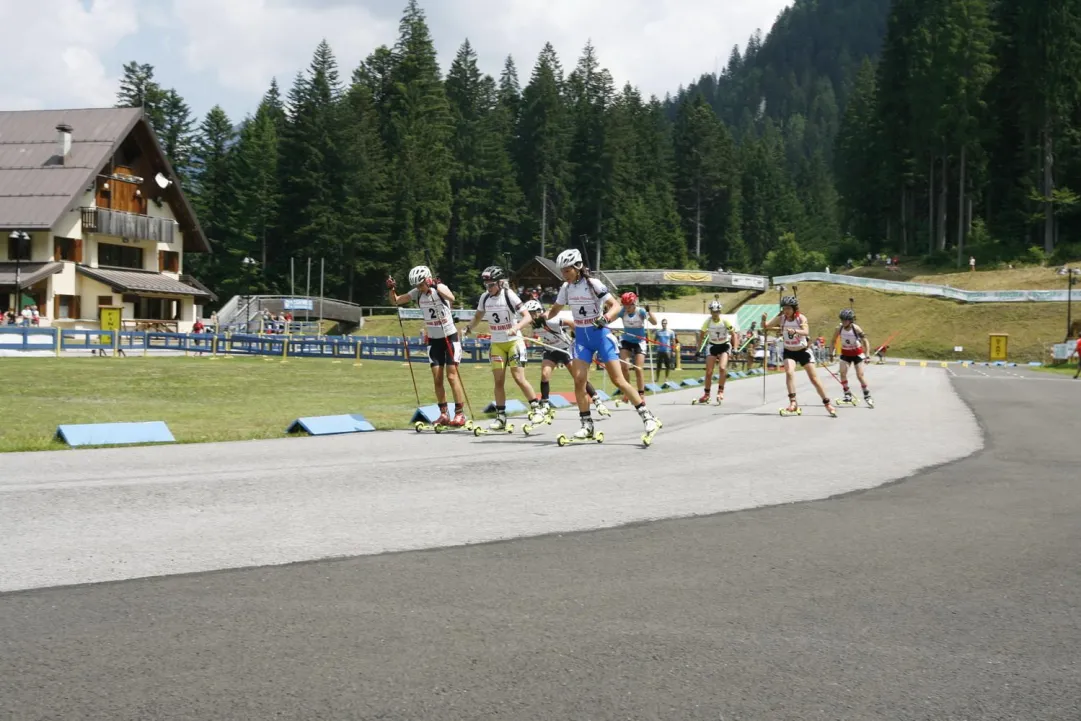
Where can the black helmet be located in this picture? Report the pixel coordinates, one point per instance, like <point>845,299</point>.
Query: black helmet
<point>848,314</point>
<point>492,274</point>
<point>789,300</point>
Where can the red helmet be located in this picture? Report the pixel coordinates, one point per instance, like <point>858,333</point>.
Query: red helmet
<point>628,299</point>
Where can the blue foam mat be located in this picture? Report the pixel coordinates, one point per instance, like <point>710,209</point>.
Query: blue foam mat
<point>654,387</point>
<point>513,406</point>
<point>559,402</point>
<point>602,395</point>
<point>330,425</point>
<point>114,434</point>
<point>671,384</point>
<point>692,382</point>
<point>428,414</point>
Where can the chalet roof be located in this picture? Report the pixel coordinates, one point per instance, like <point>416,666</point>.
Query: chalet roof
<point>538,268</point>
<point>36,188</point>
<point>140,281</point>
<point>29,273</point>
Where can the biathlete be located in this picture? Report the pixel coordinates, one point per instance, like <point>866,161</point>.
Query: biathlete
<point>722,338</point>
<point>795,335</point>
<point>444,347</point>
<point>666,349</point>
<point>855,349</point>
<point>557,335</point>
<point>502,308</point>
<point>591,305</point>
<point>633,345</point>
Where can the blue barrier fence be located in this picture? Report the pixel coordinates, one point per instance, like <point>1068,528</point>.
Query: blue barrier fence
<point>357,347</point>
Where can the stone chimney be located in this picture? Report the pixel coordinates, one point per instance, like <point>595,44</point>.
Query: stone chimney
<point>64,137</point>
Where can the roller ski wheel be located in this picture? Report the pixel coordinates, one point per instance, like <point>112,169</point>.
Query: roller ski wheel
<point>869,401</point>
<point>703,401</point>
<point>843,402</point>
<point>791,412</point>
<point>418,426</point>
<point>604,412</point>
<point>528,428</point>
<point>563,440</point>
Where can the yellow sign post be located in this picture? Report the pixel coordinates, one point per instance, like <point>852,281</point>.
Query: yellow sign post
<point>109,319</point>
<point>999,347</point>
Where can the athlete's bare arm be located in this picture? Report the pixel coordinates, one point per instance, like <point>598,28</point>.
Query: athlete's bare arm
<point>444,292</point>
<point>476,319</point>
<point>527,319</point>
<point>553,310</point>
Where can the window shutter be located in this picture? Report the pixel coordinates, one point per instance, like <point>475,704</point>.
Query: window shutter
<point>75,307</point>
<point>56,306</point>
<point>78,254</point>
<point>161,261</point>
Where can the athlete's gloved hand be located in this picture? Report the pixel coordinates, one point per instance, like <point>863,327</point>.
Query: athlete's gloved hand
<point>600,321</point>
<point>434,282</point>
<point>467,331</point>
<point>647,307</point>
<point>391,283</point>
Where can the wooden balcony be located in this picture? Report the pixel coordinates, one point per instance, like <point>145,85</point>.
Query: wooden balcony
<point>128,225</point>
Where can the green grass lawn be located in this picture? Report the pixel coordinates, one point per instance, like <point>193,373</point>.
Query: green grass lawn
<point>227,399</point>
<point>1068,369</point>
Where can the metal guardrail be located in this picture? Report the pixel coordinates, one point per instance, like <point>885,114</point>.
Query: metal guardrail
<point>926,289</point>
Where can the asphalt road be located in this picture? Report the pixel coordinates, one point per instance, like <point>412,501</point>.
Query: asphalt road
<point>952,594</point>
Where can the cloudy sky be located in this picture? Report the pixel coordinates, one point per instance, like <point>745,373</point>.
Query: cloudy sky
<point>69,53</point>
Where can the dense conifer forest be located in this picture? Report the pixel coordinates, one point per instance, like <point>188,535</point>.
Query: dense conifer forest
<point>930,128</point>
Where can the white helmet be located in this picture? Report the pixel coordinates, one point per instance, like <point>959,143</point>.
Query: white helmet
<point>715,306</point>
<point>569,259</point>
<point>533,306</point>
<point>419,274</point>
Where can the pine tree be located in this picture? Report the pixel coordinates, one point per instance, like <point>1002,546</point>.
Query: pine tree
<point>310,166</point>
<point>589,92</point>
<point>543,165</point>
<point>177,134</point>
<point>420,133</point>
<point>707,184</point>
<point>858,162</point>
<point>138,89</point>
<point>368,251</point>
<point>213,193</point>
<point>258,186</point>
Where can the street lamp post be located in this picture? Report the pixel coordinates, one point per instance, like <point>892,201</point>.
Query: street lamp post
<point>18,238</point>
<point>1069,303</point>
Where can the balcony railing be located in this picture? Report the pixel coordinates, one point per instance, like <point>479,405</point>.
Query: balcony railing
<point>128,225</point>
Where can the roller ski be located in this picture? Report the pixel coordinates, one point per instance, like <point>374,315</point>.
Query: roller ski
<point>652,425</point>
<point>792,410</point>
<point>444,424</point>
<point>703,401</point>
<point>585,434</point>
<point>499,425</point>
<point>848,400</point>
<point>601,409</point>
<point>537,416</point>
<point>869,400</point>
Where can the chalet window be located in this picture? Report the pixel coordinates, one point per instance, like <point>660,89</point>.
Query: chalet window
<point>168,261</point>
<point>120,256</point>
<point>155,309</point>
<point>105,300</point>
<point>68,249</point>
<point>19,249</point>
<point>66,306</point>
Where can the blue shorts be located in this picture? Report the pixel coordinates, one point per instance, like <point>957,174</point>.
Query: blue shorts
<point>590,341</point>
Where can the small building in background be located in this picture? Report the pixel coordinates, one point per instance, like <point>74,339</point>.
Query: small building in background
<point>107,223</point>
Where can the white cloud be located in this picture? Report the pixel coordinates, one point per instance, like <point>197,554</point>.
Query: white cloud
<point>244,43</point>
<point>227,50</point>
<point>52,55</point>
<point>653,44</point>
